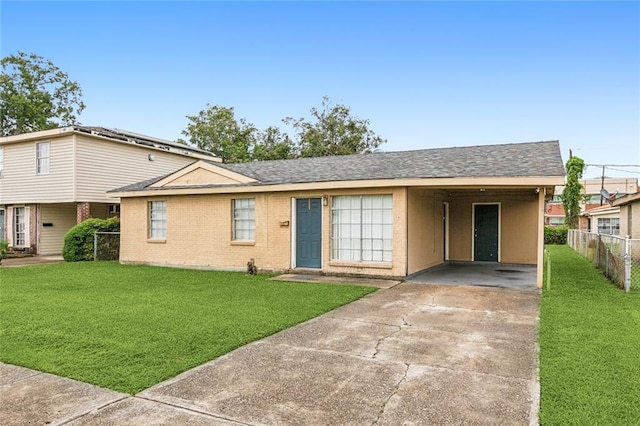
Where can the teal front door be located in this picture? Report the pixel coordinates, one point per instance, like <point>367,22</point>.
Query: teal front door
<point>485,232</point>
<point>308,232</point>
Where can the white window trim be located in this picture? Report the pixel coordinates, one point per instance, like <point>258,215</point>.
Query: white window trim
<point>151,221</point>
<point>12,230</point>
<point>39,158</point>
<point>332,238</point>
<point>235,220</point>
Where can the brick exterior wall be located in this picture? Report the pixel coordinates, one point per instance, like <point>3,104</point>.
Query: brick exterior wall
<point>83,211</point>
<point>199,233</point>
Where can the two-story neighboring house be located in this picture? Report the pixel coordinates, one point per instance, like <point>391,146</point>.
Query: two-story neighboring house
<point>596,213</point>
<point>51,180</point>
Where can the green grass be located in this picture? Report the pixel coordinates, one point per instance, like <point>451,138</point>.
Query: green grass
<point>589,346</point>
<point>129,327</point>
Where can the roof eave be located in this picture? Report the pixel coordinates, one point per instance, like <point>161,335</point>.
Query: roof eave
<point>444,183</point>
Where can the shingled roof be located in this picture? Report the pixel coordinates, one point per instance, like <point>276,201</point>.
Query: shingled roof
<point>531,159</point>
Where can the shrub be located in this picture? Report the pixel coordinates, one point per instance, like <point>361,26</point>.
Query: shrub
<point>555,234</point>
<point>78,241</point>
<point>3,249</point>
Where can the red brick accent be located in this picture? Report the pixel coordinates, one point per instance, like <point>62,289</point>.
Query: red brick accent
<point>82,212</point>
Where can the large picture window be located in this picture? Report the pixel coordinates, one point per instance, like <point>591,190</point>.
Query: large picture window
<point>362,228</point>
<point>42,158</point>
<point>244,219</point>
<point>609,226</point>
<point>157,219</point>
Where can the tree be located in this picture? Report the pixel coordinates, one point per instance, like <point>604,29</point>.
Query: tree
<point>36,95</point>
<point>572,193</point>
<point>333,131</point>
<point>273,144</point>
<point>216,130</point>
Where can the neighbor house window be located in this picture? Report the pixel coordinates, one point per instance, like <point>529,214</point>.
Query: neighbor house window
<point>19,227</point>
<point>42,158</point>
<point>3,232</point>
<point>1,160</point>
<point>609,225</point>
<point>556,221</point>
<point>157,219</point>
<point>362,228</point>
<point>244,219</point>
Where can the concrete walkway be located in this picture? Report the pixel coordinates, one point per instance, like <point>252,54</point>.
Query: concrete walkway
<point>30,260</point>
<point>410,354</point>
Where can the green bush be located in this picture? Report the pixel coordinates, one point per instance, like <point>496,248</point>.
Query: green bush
<point>3,249</point>
<point>78,241</point>
<point>555,234</point>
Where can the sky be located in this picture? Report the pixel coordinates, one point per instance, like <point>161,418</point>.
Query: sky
<point>425,74</point>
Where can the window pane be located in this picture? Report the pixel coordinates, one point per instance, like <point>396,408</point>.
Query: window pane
<point>362,228</point>
<point>243,226</point>
<point>157,219</point>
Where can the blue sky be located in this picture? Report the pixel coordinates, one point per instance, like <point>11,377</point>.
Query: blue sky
<point>426,74</point>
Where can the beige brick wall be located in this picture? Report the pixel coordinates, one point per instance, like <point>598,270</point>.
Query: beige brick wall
<point>518,227</point>
<point>426,230</point>
<point>199,233</point>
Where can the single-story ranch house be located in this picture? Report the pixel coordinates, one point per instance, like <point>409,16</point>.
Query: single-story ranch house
<point>384,214</point>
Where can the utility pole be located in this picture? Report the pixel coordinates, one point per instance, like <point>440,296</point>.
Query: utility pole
<point>602,185</point>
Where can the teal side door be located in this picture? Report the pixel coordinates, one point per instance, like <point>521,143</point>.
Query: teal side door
<point>308,232</point>
<point>485,233</point>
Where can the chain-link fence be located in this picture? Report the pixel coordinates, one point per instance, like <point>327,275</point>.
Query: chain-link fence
<point>106,246</point>
<point>618,258</point>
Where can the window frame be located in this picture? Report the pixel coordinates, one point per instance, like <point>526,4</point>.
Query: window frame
<point>556,220</point>
<point>244,215</point>
<point>157,226</point>
<point>608,225</point>
<point>19,227</point>
<point>43,162</point>
<point>360,231</point>
<point>3,223</point>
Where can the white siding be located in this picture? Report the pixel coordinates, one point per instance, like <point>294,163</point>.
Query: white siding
<point>19,182</point>
<point>103,165</point>
<point>63,218</point>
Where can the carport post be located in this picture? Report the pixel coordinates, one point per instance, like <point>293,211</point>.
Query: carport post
<point>542,192</point>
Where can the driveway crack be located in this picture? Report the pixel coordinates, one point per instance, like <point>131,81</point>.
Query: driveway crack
<point>395,391</point>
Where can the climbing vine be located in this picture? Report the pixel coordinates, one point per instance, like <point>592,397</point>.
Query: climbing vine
<point>572,193</point>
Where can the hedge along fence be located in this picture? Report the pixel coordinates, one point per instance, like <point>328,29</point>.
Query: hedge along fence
<point>79,240</point>
<point>555,234</point>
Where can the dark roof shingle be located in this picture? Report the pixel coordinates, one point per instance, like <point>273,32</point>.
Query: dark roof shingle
<point>531,159</point>
<point>508,160</point>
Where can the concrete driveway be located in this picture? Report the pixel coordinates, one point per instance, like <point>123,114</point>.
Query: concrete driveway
<point>411,354</point>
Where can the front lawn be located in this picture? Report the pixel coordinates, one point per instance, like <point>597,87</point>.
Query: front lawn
<point>589,346</point>
<point>127,328</point>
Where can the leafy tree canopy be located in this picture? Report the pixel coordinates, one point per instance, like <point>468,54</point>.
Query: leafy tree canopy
<point>216,130</point>
<point>572,193</point>
<point>331,130</point>
<point>36,95</point>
